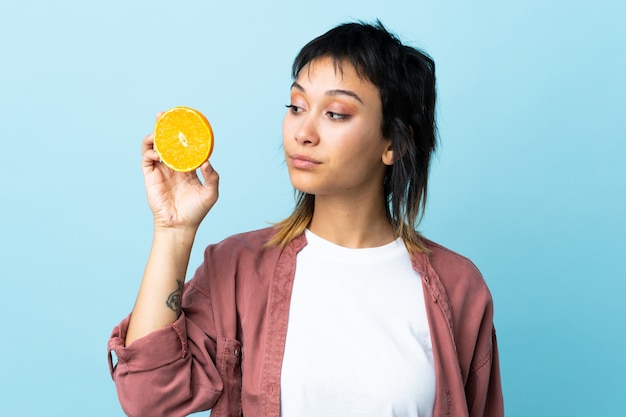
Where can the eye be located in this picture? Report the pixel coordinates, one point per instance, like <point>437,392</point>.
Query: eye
<point>293,108</point>
<point>336,116</point>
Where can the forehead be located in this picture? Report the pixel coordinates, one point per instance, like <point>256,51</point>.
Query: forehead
<point>333,71</point>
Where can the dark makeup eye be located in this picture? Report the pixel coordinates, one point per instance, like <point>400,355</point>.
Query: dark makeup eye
<point>336,116</point>
<point>293,108</point>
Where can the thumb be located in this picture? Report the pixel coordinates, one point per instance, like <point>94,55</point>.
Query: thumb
<point>209,174</point>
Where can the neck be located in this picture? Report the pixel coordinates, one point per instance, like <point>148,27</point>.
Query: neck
<point>353,223</point>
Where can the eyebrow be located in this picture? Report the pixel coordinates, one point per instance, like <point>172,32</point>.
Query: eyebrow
<point>336,92</point>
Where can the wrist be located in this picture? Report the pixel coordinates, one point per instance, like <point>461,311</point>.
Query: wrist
<point>181,236</point>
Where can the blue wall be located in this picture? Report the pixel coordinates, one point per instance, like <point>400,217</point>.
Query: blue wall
<point>529,180</point>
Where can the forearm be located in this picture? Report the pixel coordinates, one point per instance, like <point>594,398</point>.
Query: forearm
<point>160,293</point>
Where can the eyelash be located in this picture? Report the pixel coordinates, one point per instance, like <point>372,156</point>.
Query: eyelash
<point>331,114</point>
<point>337,116</point>
<point>292,108</point>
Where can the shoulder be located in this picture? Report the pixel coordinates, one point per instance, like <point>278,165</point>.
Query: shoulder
<point>248,251</point>
<point>446,258</point>
<point>248,242</point>
<point>243,255</point>
<point>457,273</point>
<point>253,237</point>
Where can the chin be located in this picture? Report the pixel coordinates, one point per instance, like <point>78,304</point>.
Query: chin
<point>302,185</point>
<point>306,190</point>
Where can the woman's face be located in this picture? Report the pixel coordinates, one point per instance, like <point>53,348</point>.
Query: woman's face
<point>332,132</point>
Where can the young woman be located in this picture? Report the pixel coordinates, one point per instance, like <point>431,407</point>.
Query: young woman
<point>342,309</point>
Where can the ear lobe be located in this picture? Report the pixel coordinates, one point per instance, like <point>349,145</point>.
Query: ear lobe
<point>388,155</point>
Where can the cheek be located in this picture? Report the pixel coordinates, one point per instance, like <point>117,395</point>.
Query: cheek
<point>288,127</point>
<point>353,141</point>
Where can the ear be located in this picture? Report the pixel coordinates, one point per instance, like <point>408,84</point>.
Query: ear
<point>388,157</point>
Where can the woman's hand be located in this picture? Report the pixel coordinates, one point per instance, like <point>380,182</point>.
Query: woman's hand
<point>177,199</point>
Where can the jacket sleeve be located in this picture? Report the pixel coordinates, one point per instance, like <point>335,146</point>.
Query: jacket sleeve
<point>172,371</point>
<point>483,389</point>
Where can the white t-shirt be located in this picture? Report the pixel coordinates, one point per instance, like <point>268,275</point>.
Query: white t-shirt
<point>358,341</point>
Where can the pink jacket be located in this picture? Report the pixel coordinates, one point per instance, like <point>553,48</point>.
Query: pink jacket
<point>225,351</point>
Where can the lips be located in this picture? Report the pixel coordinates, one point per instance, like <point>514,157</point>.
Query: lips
<point>303,162</point>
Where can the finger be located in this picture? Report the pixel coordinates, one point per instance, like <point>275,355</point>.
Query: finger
<point>149,160</point>
<point>147,143</point>
<point>209,174</point>
<point>151,155</point>
<point>159,114</point>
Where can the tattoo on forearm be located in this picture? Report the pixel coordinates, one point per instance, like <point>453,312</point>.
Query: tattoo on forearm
<point>174,300</point>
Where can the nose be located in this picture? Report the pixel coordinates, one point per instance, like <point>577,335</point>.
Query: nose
<point>306,132</point>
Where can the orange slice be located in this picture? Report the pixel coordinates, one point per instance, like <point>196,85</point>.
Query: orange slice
<point>183,138</point>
